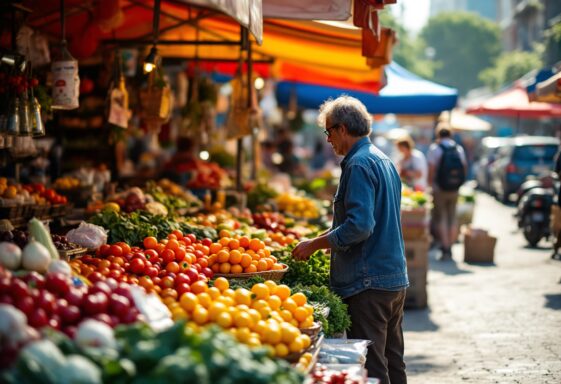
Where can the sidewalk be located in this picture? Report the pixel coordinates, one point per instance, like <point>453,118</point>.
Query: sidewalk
<point>496,323</point>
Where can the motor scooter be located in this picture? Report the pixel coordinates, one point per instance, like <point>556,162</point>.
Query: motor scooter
<point>534,208</point>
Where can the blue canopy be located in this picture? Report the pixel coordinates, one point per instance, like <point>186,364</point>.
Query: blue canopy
<point>405,93</point>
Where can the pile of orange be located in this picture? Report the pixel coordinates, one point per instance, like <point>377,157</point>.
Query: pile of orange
<point>268,315</point>
<point>240,254</point>
<point>278,238</point>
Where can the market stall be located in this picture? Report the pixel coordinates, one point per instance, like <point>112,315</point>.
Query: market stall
<point>105,280</point>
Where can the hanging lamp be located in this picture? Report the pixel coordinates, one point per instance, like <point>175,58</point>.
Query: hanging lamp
<point>66,82</point>
<point>151,61</point>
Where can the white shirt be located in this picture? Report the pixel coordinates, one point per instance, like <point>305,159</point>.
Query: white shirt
<point>417,162</point>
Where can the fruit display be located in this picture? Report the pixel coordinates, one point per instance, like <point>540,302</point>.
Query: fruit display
<point>413,199</point>
<point>298,206</point>
<point>275,222</point>
<point>21,238</point>
<point>315,271</point>
<point>50,195</point>
<point>67,182</point>
<point>240,254</point>
<point>172,195</point>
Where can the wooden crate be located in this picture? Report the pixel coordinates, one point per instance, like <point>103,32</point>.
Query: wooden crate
<point>417,252</point>
<point>416,296</point>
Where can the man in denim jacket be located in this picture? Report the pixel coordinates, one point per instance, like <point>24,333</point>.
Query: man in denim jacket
<point>367,258</point>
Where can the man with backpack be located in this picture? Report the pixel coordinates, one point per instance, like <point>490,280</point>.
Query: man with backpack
<point>447,172</point>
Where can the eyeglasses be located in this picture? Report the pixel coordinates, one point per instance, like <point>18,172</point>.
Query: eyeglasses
<point>328,130</point>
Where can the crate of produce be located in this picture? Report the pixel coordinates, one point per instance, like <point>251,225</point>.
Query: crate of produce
<point>59,210</point>
<point>415,217</point>
<point>79,196</point>
<point>417,252</point>
<point>415,233</point>
<point>416,295</point>
<point>40,211</point>
<point>11,211</point>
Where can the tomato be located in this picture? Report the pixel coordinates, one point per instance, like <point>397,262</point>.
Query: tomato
<point>203,262</point>
<point>199,254</point>
<point>197,267</point>
<point>186,240</point>
<point>151,271</point>
<point>70,314</point>
<point>104,271</point>
<point>206,242</point>
<point>115,274</point>
<point>137,265</point>
<point>151,255</point>
<point>208,272</point>
<point>25,304</point>
<point>119,305</point>
<point>167,282</point>
<point>58,283</point>
<point>168,292</point>
<point>168,256</point>
<point>95,303</point>
<point>182,278</point>
<point>182,288</point>
<point>74,296</point>
<point>150,242</point>
<point>124,246</point>
<point>105,250</point>
<point>38,318</point>
<point>95,276</point>
<point>172,267</point>
<point>104,264</point>
<point>147,283</point>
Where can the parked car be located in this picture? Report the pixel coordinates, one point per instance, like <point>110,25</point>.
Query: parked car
<point>488,153</point>
<point>522,157</point>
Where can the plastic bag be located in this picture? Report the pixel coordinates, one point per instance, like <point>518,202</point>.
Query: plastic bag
<point>88,235</point>
<point>344,351</point>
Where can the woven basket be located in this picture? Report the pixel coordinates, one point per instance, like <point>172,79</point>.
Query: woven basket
<point>267,275</point>
<point>313,331</point>
<point>40,211</point>
<point>69,254</point>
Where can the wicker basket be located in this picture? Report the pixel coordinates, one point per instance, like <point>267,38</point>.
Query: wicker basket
<point>59,210</point>
<point>313,331</point>
<point>40,211</point>
<point>68,254</point>
<point>11,211</point>
<point>276,276</point>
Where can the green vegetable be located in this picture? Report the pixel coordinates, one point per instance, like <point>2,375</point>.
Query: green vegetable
<point>338,319</point>
<point>315,271</point>
<point>40,233</point>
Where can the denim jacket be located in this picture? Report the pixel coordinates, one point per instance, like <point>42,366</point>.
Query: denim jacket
<point>366,240</point>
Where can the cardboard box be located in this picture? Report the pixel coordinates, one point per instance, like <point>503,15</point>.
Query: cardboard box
<point>415,217</point>
<point>555,219</point>
<point>479,246</point>
<point>417,252</point>
<point>416,295</point>
<point>415,233</point>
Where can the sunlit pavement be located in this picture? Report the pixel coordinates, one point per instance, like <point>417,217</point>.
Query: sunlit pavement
<point>497,323</point>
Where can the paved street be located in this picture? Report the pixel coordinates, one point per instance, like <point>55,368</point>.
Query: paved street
<point>496,323</point>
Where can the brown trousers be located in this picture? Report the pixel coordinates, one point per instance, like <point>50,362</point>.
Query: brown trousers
<point>376,315</point>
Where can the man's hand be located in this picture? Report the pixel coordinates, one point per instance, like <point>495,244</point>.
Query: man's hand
<point>304,250</point>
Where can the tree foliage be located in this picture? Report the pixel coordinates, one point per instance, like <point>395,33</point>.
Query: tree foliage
<point>511,66</point>
<point>409,50</point>
<point>552,52</point>
<point>463,44</point>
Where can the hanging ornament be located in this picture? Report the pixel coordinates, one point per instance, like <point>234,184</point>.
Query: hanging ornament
<point>118,97</point>
<point>66,82</point>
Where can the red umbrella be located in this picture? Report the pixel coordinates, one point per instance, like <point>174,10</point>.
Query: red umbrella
<point>514,103</point>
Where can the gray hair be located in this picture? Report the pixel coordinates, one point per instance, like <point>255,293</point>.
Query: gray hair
<point>347,111</point>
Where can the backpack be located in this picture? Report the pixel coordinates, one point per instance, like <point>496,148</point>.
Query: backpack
<point>451,172</point>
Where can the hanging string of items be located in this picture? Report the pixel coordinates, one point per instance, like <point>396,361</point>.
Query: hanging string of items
<point>66,82</point>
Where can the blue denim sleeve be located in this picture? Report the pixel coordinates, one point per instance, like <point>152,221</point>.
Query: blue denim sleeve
<point>359,210</point>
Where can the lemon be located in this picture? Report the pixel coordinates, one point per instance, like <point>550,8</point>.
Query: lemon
<point>113,207</point>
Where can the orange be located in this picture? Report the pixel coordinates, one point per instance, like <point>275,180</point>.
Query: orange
<point>243,296</point>
<point>224,233</point>
<point>224,319</point>
<point>309,309</point>
<point>244,242</point>
<point>214,293</point>
<point>246,260</point>
<point>300,314</point>
<point>200,315</point>
<point>260,328</point>
<point>243,319</point>
<point>215,310</point>
<point>199,287</point>
<point>290,305</point>
<point>261,291</point>
<point>296,346</point>
<point>281,350</point>
<point>256,244</point>
<point>225,268</point>
<point>269,262</point>
<point>224,241</point>
<point>306,341</point>
<point>253,342</point>
<point>221,283</point>
<point>286,315</point>
<point>258,304</point>
<point>228,292</point>
<point>172,244</point>
<point>261,265</point>
<point>212,259</point>
<point>308,323</point>
<point>215,268</point>
<point>278,267</point>
<point>272,286</point>
<point>299,298</point>
<point>273,333</point>
<point>215,248</point>
<point>204,299</point>
<point>223,256</point>
<point>255,316</point>
<point>283,291</point>
<point>265,312</point>
<point>178,314</point>
<point>150,242</point>
<point>289,333</point>
<point>250,269</point>
<point>274,302</point>
<point>234,244</point>
<point>243,334</point>
<point>236,269</point>
<point>235,257</point>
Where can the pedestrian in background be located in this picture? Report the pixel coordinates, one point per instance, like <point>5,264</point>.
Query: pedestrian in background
<point>368,268</point>
<point>412,166</point>
<point>447,172</point>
